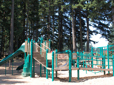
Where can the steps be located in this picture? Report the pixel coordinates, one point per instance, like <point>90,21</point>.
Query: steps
<point>37,56</point>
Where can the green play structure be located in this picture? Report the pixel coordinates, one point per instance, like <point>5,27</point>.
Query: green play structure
<point>98,60</point>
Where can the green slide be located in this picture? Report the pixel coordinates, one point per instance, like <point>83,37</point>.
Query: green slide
<point>19,51</point>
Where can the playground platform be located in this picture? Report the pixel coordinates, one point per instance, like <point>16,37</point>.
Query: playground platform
<point>85,79</point>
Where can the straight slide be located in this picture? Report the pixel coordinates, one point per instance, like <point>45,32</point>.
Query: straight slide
<point>19,51</point>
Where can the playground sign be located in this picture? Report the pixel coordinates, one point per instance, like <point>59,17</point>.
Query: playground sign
<point>49,56</point>
<point>74,56</point>
<point>63,56</point>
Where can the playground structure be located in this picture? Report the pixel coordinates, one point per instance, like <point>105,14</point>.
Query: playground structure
<point>92,61</point>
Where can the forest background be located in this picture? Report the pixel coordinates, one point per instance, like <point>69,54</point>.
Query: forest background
<point>66,22</point>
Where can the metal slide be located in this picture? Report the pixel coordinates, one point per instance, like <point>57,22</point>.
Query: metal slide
<point>19,51</point>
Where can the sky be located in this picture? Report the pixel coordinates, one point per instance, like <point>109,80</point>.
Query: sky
<point>101,41</point>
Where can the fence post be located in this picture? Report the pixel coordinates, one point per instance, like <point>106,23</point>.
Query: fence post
<point>52,66</point>
<point>46,65</point>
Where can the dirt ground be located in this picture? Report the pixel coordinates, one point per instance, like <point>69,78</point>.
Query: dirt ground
<point>86,77</point>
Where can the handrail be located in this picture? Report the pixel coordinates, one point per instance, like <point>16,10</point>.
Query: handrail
<point>41,47</point>
<point>46,46</point>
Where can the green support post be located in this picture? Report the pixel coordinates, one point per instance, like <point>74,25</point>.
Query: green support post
<point>113,64</point>
<point>5,68</point>
<point>49,72</point>
<point>41,41</point>
<point>40,70</point>
<point>46,65</point>
<point>31,58</point>
<point>104,63</point>
<point>12,66</point>
<point>45,45</point>
<point>108,57</point>
<point>44,70</point>
<point>92,57</point>
<point>28,43</point>
<point>70,54</point>
<point>49,43</point>
<point>56,60</point>
<point>52,66</point>
<point>33,67</point>
<point>78,67</point>
<point>25,55</point>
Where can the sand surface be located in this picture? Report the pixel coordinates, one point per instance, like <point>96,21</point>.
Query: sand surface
<point>86,77</point>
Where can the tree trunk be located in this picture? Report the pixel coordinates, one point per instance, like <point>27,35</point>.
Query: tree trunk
<point>60,45</point>
<point>81,44</point>
<point>87,19</point>
<point>73,34</point>
<point>11,29</point>
<point>48,21</point>
<point>113,17</point>
<point>53,29</point>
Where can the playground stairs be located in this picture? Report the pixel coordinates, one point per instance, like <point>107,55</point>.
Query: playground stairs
<point>26,68</point>
<point>37,56</point>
